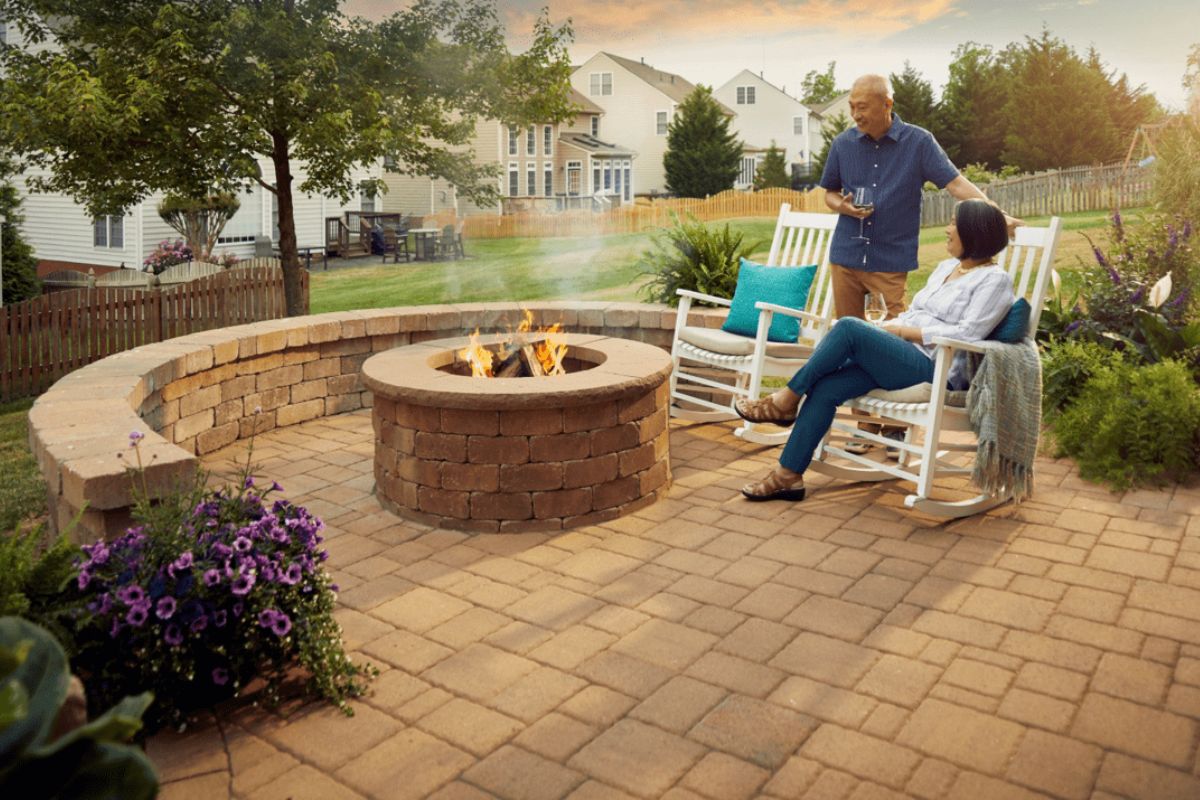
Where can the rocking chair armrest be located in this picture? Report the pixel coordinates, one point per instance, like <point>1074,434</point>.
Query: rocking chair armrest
<point>791,312</point>
<point>707,298</point>
<point>957,344</point>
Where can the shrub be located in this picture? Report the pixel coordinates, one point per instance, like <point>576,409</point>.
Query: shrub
<point>1067,366</point>
<point>33,574</point>
<point>167,254</point>
<point>690,255</point>
<point>1177,169</point>
<point>213,588</point>
<point>1133,425</point>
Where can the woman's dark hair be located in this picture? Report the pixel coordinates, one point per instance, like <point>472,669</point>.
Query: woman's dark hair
<point>981,228</point>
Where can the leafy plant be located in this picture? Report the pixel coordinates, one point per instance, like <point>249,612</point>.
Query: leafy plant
<point>704,154</point>
<point>89,761</point>
<point>690,255</point>
<point>22,490</point>
<point>167,254</point>
<point>772,171</point>
<point>212,588</point>
<point>1067,366</point>
<point>1133,425</point>
<point>33,574</point>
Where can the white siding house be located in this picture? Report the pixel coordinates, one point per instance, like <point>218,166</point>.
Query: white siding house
<point>766,114</point>
<point>639,102</point>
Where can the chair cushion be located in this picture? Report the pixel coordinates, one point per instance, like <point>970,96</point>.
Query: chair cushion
<point>785,286</point>
<point>715,340</point>
<point>917,393</point>
<point>1013,327</point>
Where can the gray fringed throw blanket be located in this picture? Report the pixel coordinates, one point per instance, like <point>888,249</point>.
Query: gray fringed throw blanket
<point>1004,406</point>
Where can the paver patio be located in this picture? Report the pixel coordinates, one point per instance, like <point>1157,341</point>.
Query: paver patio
<point>709,647</point>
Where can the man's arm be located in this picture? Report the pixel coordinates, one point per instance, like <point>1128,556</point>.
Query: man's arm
<point>962,189</point>
<point>840,203</point>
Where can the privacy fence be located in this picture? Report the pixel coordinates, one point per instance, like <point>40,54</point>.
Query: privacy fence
<point>45,338</point>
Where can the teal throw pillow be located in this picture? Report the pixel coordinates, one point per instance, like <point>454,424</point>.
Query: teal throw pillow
<point>1012,328</point>
<point>784,286</point>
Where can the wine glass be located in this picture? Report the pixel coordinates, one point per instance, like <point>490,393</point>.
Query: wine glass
<point>874,308</point>
<point>864,199</point>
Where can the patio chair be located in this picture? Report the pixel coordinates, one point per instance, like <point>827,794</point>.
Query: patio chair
<point>395,243</point>
<point>450,243</point>
<point>711,364</point>
<point>933,410</point>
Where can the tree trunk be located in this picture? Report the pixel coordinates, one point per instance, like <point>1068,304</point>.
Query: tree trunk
<point>292,289</point>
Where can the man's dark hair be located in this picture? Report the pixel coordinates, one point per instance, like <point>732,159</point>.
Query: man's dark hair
<point>981,228</point>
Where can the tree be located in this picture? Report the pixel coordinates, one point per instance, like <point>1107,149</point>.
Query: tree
<point>186,97</point>
<point>819,87</point>
<point>772,172</point>
<point>914,101</point>
<point>199,220</point>
<point>829,131</point>
<point>17,259</point>
<point>703,154</point>
<point>972,107</point>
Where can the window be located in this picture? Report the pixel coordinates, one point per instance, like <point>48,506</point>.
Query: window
<point>531,179</point>
<point>628,181</point>
<point>574,177</point>
<point>607,175</point>
<point>531,141</point>
<point>513,180</point>
<point>660,123</point>
<point>389,162</point>
<point>512,141</point>
<point>617,178</point>
<point>798,126</point>
<point>595,177</point>
<point>745,95</point>
<point>548,179</point>
<point>246,224</point>
<point>749,165</point>
<point>366,201</point>
<point>600,83</point>
<point>109,232</point>
<point>547,140</point>
<point>595,127</point>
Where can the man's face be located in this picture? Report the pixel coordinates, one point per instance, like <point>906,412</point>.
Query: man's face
<point>872,112</point>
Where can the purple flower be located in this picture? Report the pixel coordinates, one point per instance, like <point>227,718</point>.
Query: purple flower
<point>242,585</point>
<point>184,561</point>
<point>212,577</point>
<point>138,615</point>
<point>1138,295</point>
<point>199,623</point>
<point>275,487</point>
<point>292,576</point>
<point>220,618</point>
<point>266,618</point>
<point>131,595</point>
<point>135,437</point>
<point>166,608</point>
<point>84,579</point>
<point>242,544</point>
<point>101,605</point>
<point>281,625</point>
<point>173,635</point>
<point>116,628</point>
<point>248,482</point>
<point>237,609</point>
<point>220,676</point>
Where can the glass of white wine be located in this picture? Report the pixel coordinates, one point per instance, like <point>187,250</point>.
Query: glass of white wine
<point>874,308</point>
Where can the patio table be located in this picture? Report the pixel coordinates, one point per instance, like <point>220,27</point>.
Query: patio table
<point>425,243</point>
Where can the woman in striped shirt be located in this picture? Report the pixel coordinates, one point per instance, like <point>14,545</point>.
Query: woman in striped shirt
<point>965,298</point>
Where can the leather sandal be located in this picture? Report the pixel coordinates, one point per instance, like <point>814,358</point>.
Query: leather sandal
<point>763,410</point>
<point>775,487</point>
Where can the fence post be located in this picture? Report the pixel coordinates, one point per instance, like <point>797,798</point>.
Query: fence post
<point>156,292</point>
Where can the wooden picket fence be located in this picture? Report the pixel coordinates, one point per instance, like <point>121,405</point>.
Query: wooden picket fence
<point>46,337</point>
<point>1059,191</point>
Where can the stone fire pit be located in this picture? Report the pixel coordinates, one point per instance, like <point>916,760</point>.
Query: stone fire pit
<point>520,454</point>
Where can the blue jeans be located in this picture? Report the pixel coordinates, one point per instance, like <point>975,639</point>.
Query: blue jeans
<point>853,358</point>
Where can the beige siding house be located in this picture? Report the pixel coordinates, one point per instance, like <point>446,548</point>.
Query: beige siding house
<point>766,114</point>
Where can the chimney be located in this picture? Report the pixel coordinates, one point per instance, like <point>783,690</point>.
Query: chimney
<point>643,59</point>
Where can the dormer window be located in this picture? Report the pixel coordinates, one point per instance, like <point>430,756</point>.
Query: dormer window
<point>600,83</point>
<point>595,127</point>
<point>745,95</point>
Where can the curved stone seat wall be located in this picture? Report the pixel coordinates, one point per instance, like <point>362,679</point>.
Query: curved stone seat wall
<point>195,394</point>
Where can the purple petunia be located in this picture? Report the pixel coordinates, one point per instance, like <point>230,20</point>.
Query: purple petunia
<point>212,577</point>
<point>248,482</point>
<point>266,617</point>
<point>219,618</point>
<point>84,579</point>
<point>138,615</point>
<point>281,625</point>
<point>165,608</point>
<point>292,575</point>
<point>199,623</point>
<point>242,544</point>
<point>131,595</point>
<point>173,635</point>
<point>220,676</point>
<point>242,584</point>
<point>237,609</point>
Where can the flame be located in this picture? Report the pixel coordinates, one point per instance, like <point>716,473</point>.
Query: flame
<point>551,351</point>
<point>478,356</point>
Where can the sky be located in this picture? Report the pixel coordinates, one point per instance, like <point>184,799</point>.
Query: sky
<point>710,42</point>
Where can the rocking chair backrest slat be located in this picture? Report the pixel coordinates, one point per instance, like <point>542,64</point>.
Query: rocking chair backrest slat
<point>802,238</point>
<point>1029,260</point>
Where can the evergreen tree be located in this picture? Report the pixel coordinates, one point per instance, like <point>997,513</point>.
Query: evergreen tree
<point>914,99</point>
<point>829,131</point>
<point>819,87</point>
<point>17,260</point>
<point>972,108</point>
<point>703,154</point>
<point>772,172</point>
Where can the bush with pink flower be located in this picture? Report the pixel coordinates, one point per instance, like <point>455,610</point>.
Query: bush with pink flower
<point>211,590</point>
<point>167,254</point>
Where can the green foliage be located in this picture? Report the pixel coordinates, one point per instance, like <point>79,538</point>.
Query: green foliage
<point>914,101</point>
<point>199,220</point>
<point>1177,169</point>
<point>19,263</point>
<point>980,175</point>
<point>22,491</point>
<point>187,97</point>
<point>1067,366</point>
<point>33,576</point>
<point>772,173</point>
<point>703,152</point>
<point>829,131</point>
<point>90,761</point>
<point>690,255</point>
<point>819,87</point>
<point>972,106</point>
<point>1133,425</point>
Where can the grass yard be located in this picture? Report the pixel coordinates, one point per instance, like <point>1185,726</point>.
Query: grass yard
<point>600,268</point>
<point>22,493</point>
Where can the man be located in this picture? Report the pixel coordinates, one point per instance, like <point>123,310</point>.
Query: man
<point>894,160</point>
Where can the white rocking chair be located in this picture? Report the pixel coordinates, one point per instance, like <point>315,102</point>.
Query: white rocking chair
<point>702,356</point>
<point>935,410</point>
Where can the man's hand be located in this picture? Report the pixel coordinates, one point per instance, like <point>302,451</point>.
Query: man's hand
<point>1013,223</point>
<point>849,209</point>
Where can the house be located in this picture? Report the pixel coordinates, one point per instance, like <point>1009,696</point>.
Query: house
<point>543,167</point>
<point>766,114</point>
<point>828,113</point>
<point>64,236</point>
<point>638,102</point>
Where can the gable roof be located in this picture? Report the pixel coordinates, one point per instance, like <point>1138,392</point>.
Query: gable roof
<point>672,85</point>
<point>581,100</point>
<point>823,107</point>
<point>761,80</point>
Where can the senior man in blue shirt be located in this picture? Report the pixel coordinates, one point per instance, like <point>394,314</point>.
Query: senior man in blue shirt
<point>894,160</point>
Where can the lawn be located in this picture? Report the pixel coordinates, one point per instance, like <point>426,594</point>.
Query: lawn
<point>598,268</point>
<point>22,493</point>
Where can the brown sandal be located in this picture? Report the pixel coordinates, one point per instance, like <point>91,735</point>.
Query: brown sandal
<point>775,487</point>
<point>763,410</point>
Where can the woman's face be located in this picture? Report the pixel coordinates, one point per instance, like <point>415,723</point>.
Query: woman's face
<point>954,245</point>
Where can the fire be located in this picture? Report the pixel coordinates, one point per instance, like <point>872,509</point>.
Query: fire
<point>549,352</point>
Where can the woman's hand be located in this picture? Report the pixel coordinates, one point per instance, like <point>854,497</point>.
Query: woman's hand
<point>908,333</point>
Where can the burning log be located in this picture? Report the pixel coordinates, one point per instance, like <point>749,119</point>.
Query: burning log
<point>532,365</point>
<point>510,367</point>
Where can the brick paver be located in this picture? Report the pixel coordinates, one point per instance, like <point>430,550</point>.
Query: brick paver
<point>703,647</point>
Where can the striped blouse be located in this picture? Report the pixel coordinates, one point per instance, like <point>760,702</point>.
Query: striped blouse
<point>968,308</point>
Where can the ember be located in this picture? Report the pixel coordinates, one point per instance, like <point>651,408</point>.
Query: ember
<point>519,356</point>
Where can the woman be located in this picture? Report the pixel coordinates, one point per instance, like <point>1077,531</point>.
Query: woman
<point>966,296</point>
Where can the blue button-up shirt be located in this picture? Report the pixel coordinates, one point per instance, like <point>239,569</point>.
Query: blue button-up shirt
<point>895,166</point>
